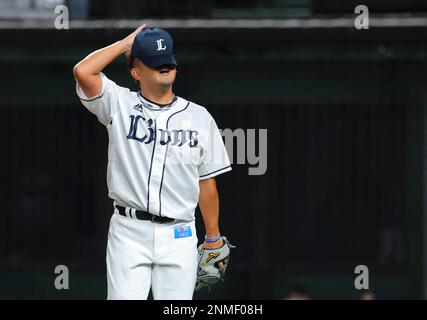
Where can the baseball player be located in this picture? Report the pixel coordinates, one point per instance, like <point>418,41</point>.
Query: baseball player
<point>163,155</point>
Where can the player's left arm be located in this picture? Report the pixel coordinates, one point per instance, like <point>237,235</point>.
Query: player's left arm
<point>209,207</point>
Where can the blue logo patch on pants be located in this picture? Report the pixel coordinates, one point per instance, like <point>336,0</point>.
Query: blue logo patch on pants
<point>182,232</point>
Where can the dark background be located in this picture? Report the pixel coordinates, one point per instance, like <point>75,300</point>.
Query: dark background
<point>344,110</point>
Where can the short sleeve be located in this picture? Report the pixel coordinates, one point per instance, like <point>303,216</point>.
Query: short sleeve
<point>215,159</point>
<point>104,105</point>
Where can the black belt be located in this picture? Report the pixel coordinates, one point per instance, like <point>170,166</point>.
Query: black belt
<point>144,215</point>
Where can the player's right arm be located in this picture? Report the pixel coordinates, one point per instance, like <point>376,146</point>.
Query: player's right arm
<point>87,72</point>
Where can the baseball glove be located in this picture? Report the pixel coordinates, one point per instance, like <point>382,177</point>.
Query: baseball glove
<point>208,272</point>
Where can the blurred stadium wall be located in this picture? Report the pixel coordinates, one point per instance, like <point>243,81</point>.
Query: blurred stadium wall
<point>345,113</point>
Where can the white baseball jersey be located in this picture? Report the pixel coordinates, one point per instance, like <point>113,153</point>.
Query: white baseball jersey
<point>157,155</point>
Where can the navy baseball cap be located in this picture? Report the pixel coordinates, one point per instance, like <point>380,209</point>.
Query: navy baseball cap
<point>154,47</point>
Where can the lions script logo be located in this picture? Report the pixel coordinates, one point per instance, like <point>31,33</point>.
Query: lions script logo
<point>174,137</point>
<point>212,255</point>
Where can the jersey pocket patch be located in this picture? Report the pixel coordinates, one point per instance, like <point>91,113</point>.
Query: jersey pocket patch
<point>182,232</point>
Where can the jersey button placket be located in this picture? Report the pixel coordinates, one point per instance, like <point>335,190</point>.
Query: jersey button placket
<point>157,167</point>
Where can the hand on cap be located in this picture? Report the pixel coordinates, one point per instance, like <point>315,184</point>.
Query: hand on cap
<point>128,41</point>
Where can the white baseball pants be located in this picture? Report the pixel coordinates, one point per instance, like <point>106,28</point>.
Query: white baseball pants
<point>143,255</point>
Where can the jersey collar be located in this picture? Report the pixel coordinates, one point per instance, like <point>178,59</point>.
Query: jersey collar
<point>155,106</point>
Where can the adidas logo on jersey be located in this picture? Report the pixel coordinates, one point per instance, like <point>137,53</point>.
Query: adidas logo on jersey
<point>138,107</point>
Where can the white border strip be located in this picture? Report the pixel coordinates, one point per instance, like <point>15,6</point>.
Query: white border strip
<point>425,208</point>
<point>327,23</point>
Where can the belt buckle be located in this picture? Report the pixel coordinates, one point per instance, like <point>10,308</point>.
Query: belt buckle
<point>153,219</point>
